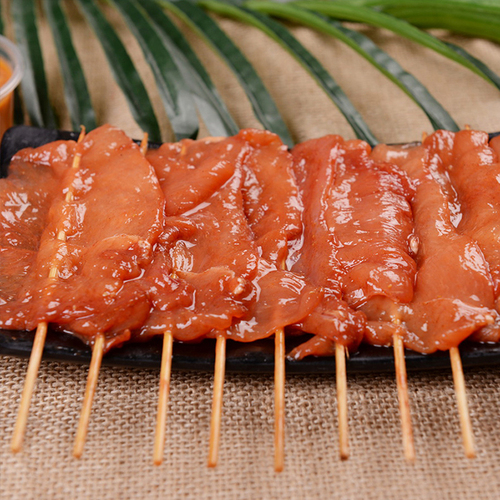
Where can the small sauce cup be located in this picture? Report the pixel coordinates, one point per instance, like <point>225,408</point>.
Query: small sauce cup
<point>11,72</point>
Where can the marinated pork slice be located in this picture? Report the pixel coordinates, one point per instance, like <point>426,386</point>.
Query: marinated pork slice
<point>369,213</point>
<point>454,294</point>
<point>111,222</point>
<point>210,246</point>
<point>473,167</point>
<point>25,199</point>
<point>274,214</point>
<point>334,320</point>
<point>206,252</point>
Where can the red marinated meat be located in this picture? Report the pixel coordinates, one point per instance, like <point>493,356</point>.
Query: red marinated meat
<point>473,167</point>
<point>454,292</point>
<point>274,214</point>
<point>110,226</point>
<point>220,229</point>
<point>25,199</point>
<point>316,173</point>
<point>206,252</point>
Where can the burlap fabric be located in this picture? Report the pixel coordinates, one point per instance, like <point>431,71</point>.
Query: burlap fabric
<point>117,463</point>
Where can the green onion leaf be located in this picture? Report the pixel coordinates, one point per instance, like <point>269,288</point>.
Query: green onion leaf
<point>208,101</point>
<point>262,103</point>
<point>34,84</point>
<point>123,70</point>
<point>75,87</point>
<point>171,85</point>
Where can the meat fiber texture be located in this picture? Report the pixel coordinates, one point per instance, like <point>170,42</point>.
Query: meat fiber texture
<point>239,237</point>
<point>231,215</point>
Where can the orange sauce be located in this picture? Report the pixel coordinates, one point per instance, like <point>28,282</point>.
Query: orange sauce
<point>7,103</point>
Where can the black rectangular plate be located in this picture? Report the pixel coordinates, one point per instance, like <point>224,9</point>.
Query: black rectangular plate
<point>254,357</point>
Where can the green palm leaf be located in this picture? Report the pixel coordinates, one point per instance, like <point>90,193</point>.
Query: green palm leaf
<point>34,84</point>
<point>282,36</point>
<point>371,17</point>
<point>262,103</point>
<point>171,85</point>
<point>438,116</point>
<point>123,70</point>
<point>208,101</point>
<point>75,87</point>
<point>471,6</point>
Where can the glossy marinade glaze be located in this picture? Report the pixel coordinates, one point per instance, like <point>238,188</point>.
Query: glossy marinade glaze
<point>239,237</point>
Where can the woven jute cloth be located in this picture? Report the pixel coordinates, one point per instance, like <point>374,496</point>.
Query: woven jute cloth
<point>117,461</point>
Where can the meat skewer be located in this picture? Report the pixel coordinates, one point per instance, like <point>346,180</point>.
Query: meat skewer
<point>165,373</point>
<point>365,207</point>
<point>459,157</point>
<point>93,375</point>
<point>39,341</point>
<point>443,311</point>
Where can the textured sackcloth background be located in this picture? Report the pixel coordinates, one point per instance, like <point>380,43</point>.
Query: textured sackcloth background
<point>117,462</point>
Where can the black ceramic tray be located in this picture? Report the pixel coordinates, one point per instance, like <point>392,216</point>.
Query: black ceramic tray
<point>254,357</point>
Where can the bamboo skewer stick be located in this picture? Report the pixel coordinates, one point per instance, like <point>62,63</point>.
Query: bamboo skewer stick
<point>161,416</point>
<point>215,421</point>
<point>279,400</point>
<point>463,409</point>
<point>279,395</point>
<point>95,366</point>
<point>341,376</point>
<point>39,340</point>
<point>29,386</point>
<point>165,373</point>
<point>404,400</point>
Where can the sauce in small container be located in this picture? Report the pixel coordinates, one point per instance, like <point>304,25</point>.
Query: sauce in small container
<point>11,72</point>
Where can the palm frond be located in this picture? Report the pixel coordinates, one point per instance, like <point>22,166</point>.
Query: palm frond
<point>283,37</point>
<point>212,108</point>
<point>123,69</point>
<point>263,104</point>
<point>182,79</point>
<point>173,91</point>
<point>357,13</point>
<point>75,87</point>
<point>34,83</point>
<point>437,115</point>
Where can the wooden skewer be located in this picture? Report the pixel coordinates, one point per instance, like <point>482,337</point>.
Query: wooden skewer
<point>463,409</point>
<point>165,373</point>
<point>341,375</point>
<point>161,416</point>
<point>29,386</point>
<point>39,341</point>
<point>95,366</point>
<point>219,373</point>
<point>279,400</point>
<point>404,401</point>
<point>279,395</point>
